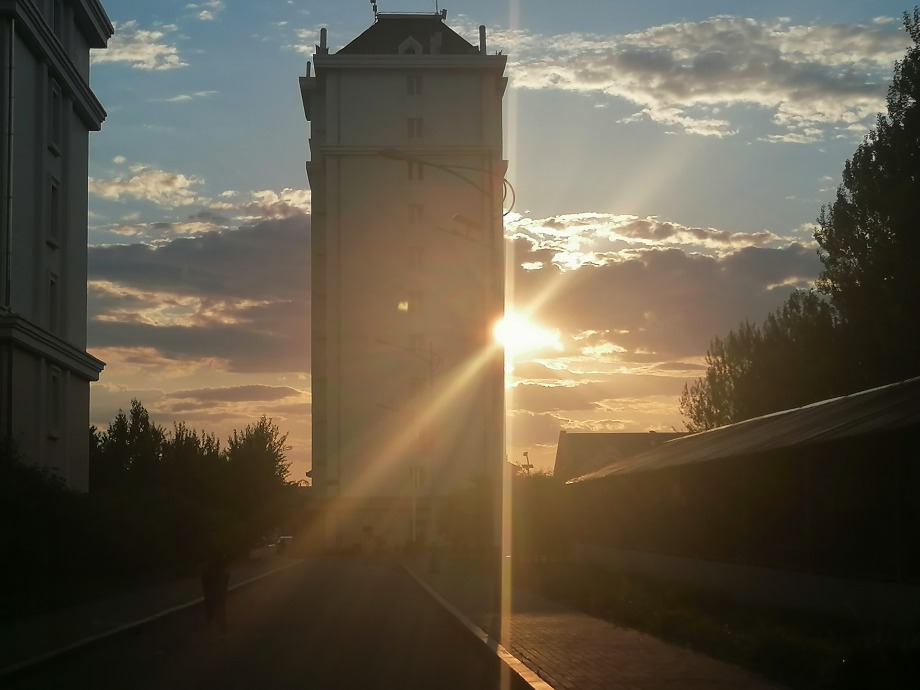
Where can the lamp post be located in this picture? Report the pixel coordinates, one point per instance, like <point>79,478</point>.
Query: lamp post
<point>496,469</point>
<point>507,188</point>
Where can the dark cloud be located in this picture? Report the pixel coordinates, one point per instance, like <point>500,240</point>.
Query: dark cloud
<point>208,216</point>
<point>237,393</point>
<point>528,428</point>
<point>241,296</point>
<point>665,301</point>
<point>587,396</point>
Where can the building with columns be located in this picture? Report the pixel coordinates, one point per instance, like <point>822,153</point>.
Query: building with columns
<point>407,175</point>
<point>48,110</point>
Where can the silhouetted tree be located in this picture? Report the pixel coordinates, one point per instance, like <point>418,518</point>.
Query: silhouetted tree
<point>870,235</point>
<point>540,525</point>
<point>132,444</point>
<point>258,471</point>
<point>792,359</point>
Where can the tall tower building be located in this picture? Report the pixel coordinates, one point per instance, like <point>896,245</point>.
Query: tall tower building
<point>406,173</point>
<point>47,113</point>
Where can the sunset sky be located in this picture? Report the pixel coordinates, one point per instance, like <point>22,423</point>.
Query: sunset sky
<point>669,158</point>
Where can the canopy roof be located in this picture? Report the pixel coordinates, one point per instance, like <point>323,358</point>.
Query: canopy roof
<point>581,452</point>
<point>895,406</point>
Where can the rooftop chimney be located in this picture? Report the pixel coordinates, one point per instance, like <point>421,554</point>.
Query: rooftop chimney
<point>482,39</point>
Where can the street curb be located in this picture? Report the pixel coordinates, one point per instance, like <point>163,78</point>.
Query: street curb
<point>20,666</point>
<point>518,667</point>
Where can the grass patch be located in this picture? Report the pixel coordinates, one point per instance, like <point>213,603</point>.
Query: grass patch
<point>798,649</point>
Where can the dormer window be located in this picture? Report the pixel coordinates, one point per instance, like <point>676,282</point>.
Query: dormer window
<point>410,47</point>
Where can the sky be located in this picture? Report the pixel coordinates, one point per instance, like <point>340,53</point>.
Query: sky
<point>669,159</point>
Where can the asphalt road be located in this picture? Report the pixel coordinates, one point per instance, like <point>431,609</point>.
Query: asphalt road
<point>336,624</point>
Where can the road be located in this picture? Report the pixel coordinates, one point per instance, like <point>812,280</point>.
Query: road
<point>332,624</point>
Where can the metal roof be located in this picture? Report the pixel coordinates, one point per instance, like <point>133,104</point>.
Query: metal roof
<point>390,30</point>
<point>890,407</point>
<point>578,453</point>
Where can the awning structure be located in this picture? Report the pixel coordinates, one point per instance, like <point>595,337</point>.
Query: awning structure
<point>887,408</point>
<point>579,453</point>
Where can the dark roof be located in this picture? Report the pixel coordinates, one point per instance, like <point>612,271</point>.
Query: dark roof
<point>891,407</point>
<point>389,32</point>
<point>581,452</point>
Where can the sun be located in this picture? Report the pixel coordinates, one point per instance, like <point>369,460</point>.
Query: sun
<point>517,334</point>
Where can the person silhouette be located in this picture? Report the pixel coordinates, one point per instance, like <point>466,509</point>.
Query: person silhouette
<point>215,579</point>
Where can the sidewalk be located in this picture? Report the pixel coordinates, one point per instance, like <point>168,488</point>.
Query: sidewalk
<point>573,651</point>
<point>32,640</point>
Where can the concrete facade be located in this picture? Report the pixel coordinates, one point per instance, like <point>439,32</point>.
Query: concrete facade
<point>48,110</point>
<point>406,173</point>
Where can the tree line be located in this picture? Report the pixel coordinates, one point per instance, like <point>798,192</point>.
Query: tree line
<point>160,502</point>
<point>858,327</point>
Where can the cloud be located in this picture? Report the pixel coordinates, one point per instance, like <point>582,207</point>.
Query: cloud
<point>206,11</point>
<point>571,240</point>
<point>259,393</point>
<point>185,97</point>
<point>217,410</point>
<point>172,189</point>
<point>589,396</point>
<point>238,299</point>
<point>304,41</point>
<point>150,184</point>
<point>687,75</point>
<point>143,49</point>
<point>662,302</point>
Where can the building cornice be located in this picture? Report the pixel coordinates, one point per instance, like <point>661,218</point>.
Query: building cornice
<point>26,335</point>
<point>31,25</point>
<point>419,151</point>
<point>97,27</point>
<point>403,62</point>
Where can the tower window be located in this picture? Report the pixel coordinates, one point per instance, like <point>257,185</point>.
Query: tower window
<point>414,127</point>
<point>54,212</point>
<point>53,306</point>
<point>55,402</point>
<point>56,118</point>
<point>416,170</point>
<point>410,47</point>
<point>416,257</point>
<point>416,213</point>
<point>414,85</point>
<point>57,18</point>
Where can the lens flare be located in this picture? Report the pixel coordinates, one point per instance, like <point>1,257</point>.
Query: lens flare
<point>518,334</point>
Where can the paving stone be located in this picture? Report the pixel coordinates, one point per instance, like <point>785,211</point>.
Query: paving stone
<point>573,651</point>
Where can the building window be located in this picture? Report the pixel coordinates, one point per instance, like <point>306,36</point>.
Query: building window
<point>54,212</point>
<point>416,170</point>
<point>55,402</point>
<point>414,127</point>
<point>57,18</point>
<point>416,213</point>
<point>414,85</point>
<point>416,257</point>
<point>410,47</point>
<point>56,118</point>
<point>53,306</point>
<point>417,476</point>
